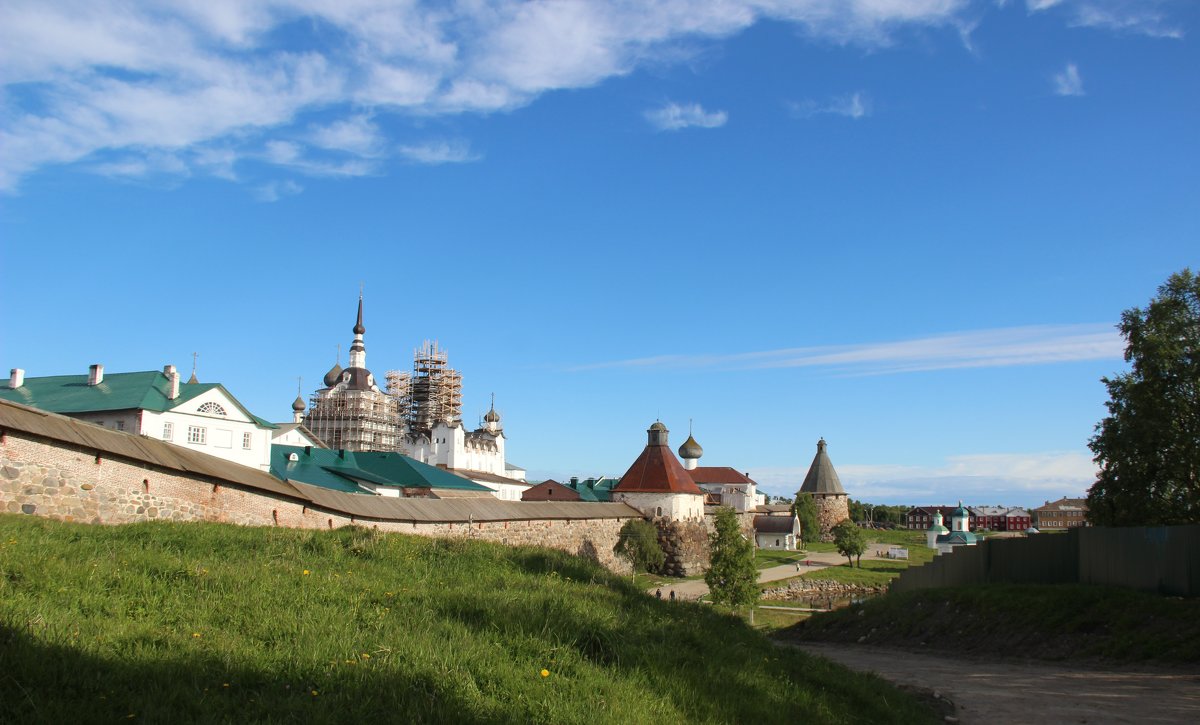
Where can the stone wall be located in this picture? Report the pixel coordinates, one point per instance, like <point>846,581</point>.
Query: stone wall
<point>685,544</point>
<point>62,481</point>
<point>831,511</point>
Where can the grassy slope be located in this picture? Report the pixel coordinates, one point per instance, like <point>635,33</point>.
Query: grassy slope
<point>213,623</point>
<point>1104,624</point>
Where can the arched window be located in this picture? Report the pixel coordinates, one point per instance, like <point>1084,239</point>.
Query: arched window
<point>211,409</point>
<point>658,511</point>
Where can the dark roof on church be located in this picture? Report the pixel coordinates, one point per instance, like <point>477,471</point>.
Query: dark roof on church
<point>718,474</point>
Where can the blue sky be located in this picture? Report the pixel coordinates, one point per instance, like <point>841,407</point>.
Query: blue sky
<point>908,226</point>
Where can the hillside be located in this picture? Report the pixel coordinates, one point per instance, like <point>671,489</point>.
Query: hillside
<point>214,623</point>
<point>1047,622</point>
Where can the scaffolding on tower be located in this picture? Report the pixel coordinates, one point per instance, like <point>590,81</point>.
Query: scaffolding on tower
<point>435,390</point>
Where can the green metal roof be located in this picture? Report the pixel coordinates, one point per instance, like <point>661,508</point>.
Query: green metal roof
<point>119,391</point>
<point>598,490</point>
<point>338,470</point>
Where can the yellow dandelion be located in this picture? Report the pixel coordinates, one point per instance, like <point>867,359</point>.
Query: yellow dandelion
<point>225,684</point>
<point>545,673</point>
<point>314,693</point>
<point>306,572</point>
<point>195,635</point>
<point>366,656</point>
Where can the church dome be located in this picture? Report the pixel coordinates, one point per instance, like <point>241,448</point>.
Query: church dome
<point>491,416</point>
<point>333,376</point>
<point>298,404</point>
<point>690,449</point>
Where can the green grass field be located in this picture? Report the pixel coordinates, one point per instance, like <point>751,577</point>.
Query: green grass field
<point>214,623</point>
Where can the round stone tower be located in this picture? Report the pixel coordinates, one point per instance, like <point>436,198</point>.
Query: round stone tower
<point>833,504</point>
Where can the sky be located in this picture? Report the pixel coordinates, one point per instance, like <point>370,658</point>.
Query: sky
<point>906,226</point>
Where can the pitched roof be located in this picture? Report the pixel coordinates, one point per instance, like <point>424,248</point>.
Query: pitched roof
<point>821,477</point>
<point>340,470</point>
<point>718,474</point>
<point>145,390</point>
<point>775,524</point>
<point>657,470</point>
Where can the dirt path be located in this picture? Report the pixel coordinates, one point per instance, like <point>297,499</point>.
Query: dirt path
<point>696,588</point>
<point>998,692</point>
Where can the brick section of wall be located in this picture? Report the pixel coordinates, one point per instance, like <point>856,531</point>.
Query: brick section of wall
<point>71,483</point>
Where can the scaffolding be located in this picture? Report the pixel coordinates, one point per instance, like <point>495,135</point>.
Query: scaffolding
<point>399,389</point>
<point>356,420</point>
<point>435,390</point>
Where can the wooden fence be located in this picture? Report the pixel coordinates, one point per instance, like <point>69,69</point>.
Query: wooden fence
<point>1164,559</point>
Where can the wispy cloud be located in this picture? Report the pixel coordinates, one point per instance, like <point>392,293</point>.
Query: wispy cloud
<point>674,116</point>
<point>1144,17</point>
<point>852,105</point>
<point>439,152</point>
<point>1067,82</point>
<point>275,190</point>
<point>1005,347</point>
<point>1016,479</point>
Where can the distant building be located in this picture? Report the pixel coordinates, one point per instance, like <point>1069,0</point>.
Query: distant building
<point>657,484</point>
<point>722,485</point>
<point>777,532</point>
<point>1065,513</point>
<point>944,541</point>
<point>380,473</point>
<point>822,482</point>
<point>592,489</point>
<point>201,416</point>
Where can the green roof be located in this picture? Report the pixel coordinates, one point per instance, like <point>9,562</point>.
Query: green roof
<point>339,470</point>
<point>593,489</point>
<point>147,390</point>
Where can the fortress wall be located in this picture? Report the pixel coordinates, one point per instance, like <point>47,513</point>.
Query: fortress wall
<point>45,477</point>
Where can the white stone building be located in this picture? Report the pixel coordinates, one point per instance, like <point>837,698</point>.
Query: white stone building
<point>657,484</point>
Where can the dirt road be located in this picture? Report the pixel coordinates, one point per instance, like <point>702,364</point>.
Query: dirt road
<point>696,588</point>
<point>998,692</point>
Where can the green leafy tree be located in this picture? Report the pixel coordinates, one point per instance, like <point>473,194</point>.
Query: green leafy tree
<point>1148,447</point>
<point>805,509</point>
<point>637,543</point>
<point>850,541</point>
<point>731,576</point>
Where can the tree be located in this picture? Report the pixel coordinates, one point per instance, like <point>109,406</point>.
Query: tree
<point>1148,447</point>
<point>731,577</point>
<point>850,541</point>
<point>637,543</point>
<point>805,509</point>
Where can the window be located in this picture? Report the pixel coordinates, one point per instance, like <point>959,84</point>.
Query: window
<point>211,409</point>
<point>119,425</point>
<point>168,431</point>
<point>246,437</point>
<point>197,434</point>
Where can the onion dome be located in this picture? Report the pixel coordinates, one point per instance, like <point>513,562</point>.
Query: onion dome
<point>657,425</point>
<point>333,376</point>
<point>298,404</point>
<point>491,416</point>
<point>690,449</point>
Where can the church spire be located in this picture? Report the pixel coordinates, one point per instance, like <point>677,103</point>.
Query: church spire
<point>358,350</point>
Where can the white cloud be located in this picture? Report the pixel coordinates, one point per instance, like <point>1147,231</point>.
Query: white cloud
<point>438,152</point>
<point>1067,82</point>
<point>1016,479</point>
<point>1145,17</point>
<point>276,190</point>
<point>1004,347</point>
<point>100,80</point>
<point>674,116</point>
<point>852,105</point>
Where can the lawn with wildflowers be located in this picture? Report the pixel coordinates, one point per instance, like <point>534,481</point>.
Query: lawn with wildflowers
<point>196,622</point>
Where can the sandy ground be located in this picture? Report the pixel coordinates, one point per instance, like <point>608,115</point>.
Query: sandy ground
<point>1016,692</point>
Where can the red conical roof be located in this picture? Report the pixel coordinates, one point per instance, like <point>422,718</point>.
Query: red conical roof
<point>657,470</point>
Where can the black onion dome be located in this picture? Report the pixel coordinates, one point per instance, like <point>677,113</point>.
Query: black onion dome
<point>298,404</point>
<point>491,416</point>
<point>690,449</point>
<point>333,376</point>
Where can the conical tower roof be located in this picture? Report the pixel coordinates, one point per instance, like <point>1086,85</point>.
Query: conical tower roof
<point>657,470</point>
<point>821,477</point>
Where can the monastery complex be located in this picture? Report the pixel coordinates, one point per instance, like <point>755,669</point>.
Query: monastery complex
<point>138,446</point>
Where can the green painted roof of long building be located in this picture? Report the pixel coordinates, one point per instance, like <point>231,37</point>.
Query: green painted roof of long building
<point>339,470</point>
<point>145,390</point>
